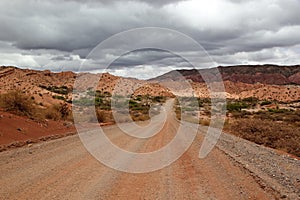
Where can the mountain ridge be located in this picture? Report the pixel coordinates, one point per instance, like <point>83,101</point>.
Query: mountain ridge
<point>265,82</point>
<point>251,74</point>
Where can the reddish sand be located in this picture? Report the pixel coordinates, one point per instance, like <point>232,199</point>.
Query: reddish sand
<point>17,130</point>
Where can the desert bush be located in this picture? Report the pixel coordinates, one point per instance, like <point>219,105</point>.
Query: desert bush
<point>17,102</point>
<point>177,109</point>
<point>283,136</point>
<point>277,110</point>
<point>241,114</point>
<point>107,94</point>
<point>159,99</point>
<point>138,98</point>
<point>98,101</point>
<point>133,103</point>
<point>236,106</point>
<point>105,107</point>
<point>264,103</point>
<point>52,113</point>
<point>102,116</point>
<point>59,90</point>
<point>140,117</point>
<point>251,99</point>
<point>84,102</point>
<point>58,97</point>
<point>64,110</point>
<point>58,112</point>
<point>205,122</point>
<point>290,116</point>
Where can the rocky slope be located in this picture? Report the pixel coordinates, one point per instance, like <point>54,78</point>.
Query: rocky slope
<point>267,82</point>
<point>265,74</point>
<point>48,88</point>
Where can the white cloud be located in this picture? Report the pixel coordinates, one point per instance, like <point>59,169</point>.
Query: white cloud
<point>60,34</point>
<point>142,71</point>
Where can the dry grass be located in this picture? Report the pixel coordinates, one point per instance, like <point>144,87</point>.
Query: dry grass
<point>140,117</point>
<point>21,104</point>
<point>18,103</point>
<point>102,116</point>
<point>279,135</point>
<point>57,112</point>
<point>205,122</point>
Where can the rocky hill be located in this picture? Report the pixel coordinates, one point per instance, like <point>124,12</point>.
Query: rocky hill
<point>264,74</point>
<point>265,82</point>
<point>48,88</point>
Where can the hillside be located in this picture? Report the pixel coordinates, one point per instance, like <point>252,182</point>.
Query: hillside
<point>281,83</point>
<point>264,74</point>
<point>266,82</point>
<point>18,131</point>
<point>48,88</point>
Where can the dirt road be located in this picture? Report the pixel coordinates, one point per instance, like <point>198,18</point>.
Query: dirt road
<point>63,169</point>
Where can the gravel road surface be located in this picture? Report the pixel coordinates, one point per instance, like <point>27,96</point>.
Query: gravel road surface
<point>64,169</point>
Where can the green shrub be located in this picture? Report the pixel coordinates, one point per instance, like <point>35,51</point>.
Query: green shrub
<point>58,97</point>
<point>84,102</point>
<point>132,103</point>
<point>98,101</point>
<point>236,106</point>
<point>277,110</point>
<point>264,103</point>
<point>59,90</point>
<point>159,99</point>
<point>138,98</point>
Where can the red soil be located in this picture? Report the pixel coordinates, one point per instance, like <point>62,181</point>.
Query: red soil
<point>18,130</point>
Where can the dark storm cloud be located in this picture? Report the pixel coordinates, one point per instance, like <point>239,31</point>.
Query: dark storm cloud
<point>62,57</point>
<point>153,2</point>
<point>141,57</point>
<point>149,57</point>
<point>64,32</point>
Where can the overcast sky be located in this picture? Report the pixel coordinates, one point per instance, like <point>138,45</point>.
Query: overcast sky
<point>59,35</point>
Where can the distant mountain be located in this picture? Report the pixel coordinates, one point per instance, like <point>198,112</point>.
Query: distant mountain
<point>265,74</point>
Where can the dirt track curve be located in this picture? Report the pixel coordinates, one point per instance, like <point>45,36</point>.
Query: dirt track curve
<point>63,169</point>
